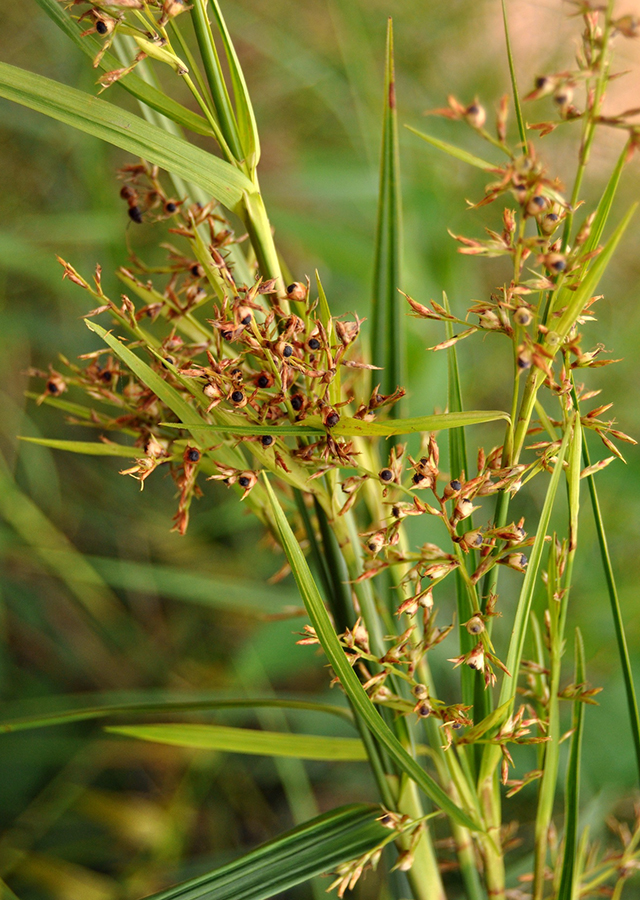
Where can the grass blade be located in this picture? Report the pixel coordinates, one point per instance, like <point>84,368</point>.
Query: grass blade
<point>132,83</point>
<point>244,115</point>
<point>516,643</point>
<point>612,590</point>
<point>89,448</point>
<point>125,130</point>
<point>522,131</point>
<point>387,341</point>
<point>456,152</point>
<point>138,707</point>
<point>348,678</point>
<point>215,77</point>
<point>605,203</point>
<point>572,798</point>
<point>292,858</point>
<point>246,740</point>
<point>348,427</point>
<point>576,300</point>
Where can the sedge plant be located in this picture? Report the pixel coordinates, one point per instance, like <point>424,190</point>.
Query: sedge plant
<point>220,365</point>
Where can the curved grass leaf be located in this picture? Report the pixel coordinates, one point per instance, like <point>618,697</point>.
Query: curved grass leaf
<point>106,710</point>
<point>348,427</point>
<point>132,83</point>
<point>246,740</point>
<point>456,152</point>
<point>125,130</point>
<point>516,644</point>
<point>386,327</point>
<point>316,847</point>
<point>567,889</point>
<point>576,300</point>
<point>89,448</point>
<point>348,678</point>
<point>514,84</point>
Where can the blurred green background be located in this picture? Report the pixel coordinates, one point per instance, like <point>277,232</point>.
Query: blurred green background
<point>96,593</point>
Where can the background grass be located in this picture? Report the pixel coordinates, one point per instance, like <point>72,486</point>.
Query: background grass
<point>108,817</point>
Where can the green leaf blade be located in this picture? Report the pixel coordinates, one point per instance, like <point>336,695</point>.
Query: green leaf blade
<point>387,339</point>
<point>311,849</point>
<point>349,680</point>
<point>103,120</point>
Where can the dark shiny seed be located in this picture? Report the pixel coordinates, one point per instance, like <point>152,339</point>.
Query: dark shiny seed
<point>263,381</point>
<point>101,27</point>
<point>135,214</point>
<point>296,402</point>
<point>244,482</point>
<point>266,440</point>
<point>291,288</point>
<point>332,419</point>
<point>246,320</point>
<point>52,387</point>
<point>237,396</point>
<point>170,207</point>
<point>287,351</point>
<point>195,271</point>
<point>386,474</point>
<point>455,485</point>
<point>314,344</point>
<point>193,455</point>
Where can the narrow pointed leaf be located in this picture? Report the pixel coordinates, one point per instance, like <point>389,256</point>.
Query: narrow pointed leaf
<point>244,115</point>
<point>132,83</point>
<point>568,878</point>
<point>348,427</point>
<point>105,710</point>
<point>102,119</point>
<point>348,678</point>
<point>456,152</point>
<point>576,300</point>
<point>514,84</point>
<point>618,622</point>
<point>386,330</point>
<point>316,847</point>
<point>516,644</point>
<point>605,203</point>
<point>246,740</point>
<point>215,77</point>
<point>89,448</point>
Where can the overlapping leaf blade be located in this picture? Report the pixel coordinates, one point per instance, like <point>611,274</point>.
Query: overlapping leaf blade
<point>316,847</point>
<point>349,680</point>
<point>102,119</point>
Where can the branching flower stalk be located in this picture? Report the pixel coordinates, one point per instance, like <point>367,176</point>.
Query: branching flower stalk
<point>214,369</point>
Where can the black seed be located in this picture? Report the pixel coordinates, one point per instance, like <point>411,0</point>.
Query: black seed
<point>386,474</point>
<point>331,420</point>
<point>135,214</point>
<point>101,27</point>
<point>291,288</point>
<point>540,82</point>
<point>170,207</point>
<point>314,344</point>
<point>170,360</point>
<point>297,402</point>
<point>455,485</point>
<point>538,200</point>
<point>551,217</point>
<point>195,271</point>
<point>243,481</point>
<point>263,381</point>
<point>288,350</point>
<point>246,320</point>
<point>237,396</point>
<point>52,387</point>
<point>395,512</point>
<point>456,725</point>
<point>106,376</point>
<point>227,335</point>
<point>266,440</point>
<point>417,478</point>
<point>559,265</point>
<point>193,455</point>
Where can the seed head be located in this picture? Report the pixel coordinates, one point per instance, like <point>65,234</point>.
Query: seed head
<point>475,625</point>
<point>522,316</point>
<point>296,291</point>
